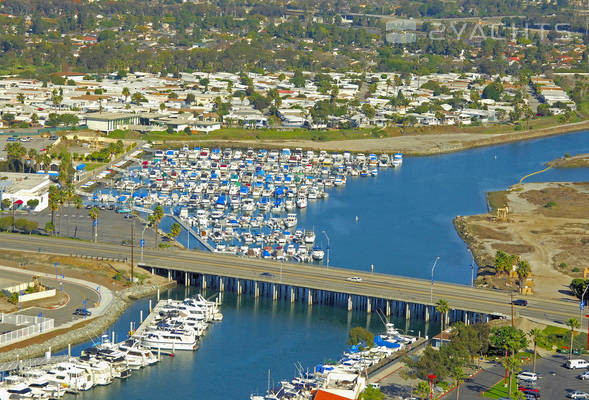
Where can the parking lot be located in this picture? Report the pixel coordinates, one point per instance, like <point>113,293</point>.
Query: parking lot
<point>76,223</point>
<point>38,143</point>
<point>555,381</point>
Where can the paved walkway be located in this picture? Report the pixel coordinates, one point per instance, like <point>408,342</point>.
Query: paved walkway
<point>473,387</point>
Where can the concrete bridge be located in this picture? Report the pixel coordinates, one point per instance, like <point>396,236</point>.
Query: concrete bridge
<point>409,297</point>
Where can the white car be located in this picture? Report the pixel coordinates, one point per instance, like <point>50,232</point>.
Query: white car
<point>354,279</point>
<point>578,395</point>
<point>527,376</point>
<point>584,375</point>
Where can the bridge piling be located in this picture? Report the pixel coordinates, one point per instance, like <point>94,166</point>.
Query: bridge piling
<point>309,297</point>
<point>292,295</point>
<point>368,305</point>
<point>407,311</point>
<point>256,290</point>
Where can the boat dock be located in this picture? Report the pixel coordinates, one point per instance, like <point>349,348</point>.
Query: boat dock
<point>150,317</point>
<point>192,232</point>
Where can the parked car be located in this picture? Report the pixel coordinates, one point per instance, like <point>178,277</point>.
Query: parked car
<point>53,137</point>
<point>584,375</point>
<point>12,139</point>
<point>576,363</point>
<point>578,395</point>
<point>354,279</point>
<point>528,390</point>
<point>82,312</point>
<point>527,376</point>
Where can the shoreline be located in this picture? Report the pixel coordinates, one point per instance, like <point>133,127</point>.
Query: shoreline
<point>84,330</point>
<point>409,145</point>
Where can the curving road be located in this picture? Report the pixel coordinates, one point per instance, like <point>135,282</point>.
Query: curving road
<point>375,285</point>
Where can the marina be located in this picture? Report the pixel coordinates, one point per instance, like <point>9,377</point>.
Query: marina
<point>347,377</point>
<point>242,202</point>
<point>173,325</point>
<point>255,330</point>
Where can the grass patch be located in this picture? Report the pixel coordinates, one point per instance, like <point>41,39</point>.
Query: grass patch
<point>497,199</point>
<point>499,390</point>
<point>92,165</point>
<point>556,338</point>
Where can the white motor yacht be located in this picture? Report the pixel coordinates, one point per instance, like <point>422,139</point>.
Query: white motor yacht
<point>169,340</point>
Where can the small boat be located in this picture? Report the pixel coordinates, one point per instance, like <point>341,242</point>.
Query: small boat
<point>317,253</point>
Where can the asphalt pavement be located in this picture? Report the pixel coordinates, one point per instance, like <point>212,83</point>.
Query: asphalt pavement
<point>383,286</point>
<point>555,381</point>
<point>77,294</point>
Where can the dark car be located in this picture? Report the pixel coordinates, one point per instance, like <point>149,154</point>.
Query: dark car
<point>520,302</point>
<point>82,312</point>
<point>53,137</point>
<point>530,391</point>
<point>267,274</point>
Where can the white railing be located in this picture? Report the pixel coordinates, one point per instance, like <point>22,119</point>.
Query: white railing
<point>35,326</point>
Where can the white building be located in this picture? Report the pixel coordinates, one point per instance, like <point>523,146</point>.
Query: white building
<point>20,188</point>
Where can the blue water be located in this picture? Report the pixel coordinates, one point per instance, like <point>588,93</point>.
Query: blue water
<point>404,223</point>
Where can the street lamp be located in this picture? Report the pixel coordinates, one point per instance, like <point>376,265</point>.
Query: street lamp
<point>587,315</point>
<point>142,243</point>
<point>431,291</point>
<point>327,264</point>
<point>472,262</point>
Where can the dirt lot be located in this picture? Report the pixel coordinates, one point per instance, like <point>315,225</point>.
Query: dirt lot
<point>55,301</point>
<point>548,225</point>
<point>109,274</point>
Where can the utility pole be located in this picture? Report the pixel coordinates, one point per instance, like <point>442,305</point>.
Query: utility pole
<point>512,309</point>
<point>132,244</point>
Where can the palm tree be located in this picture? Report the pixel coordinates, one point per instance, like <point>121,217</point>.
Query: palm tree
<point>534,334</point>
<point>511,364</point>
<point>126,93</point>
<point>54,203</point>
<point>573,324</point>
<point>174,231</point>
<point>442,307</point>
<point>523,271</point>
<point>34,157</point>
<point>158,214</point>
<point>459,376</point>
<point>94,214</point>
<point>21,98</point>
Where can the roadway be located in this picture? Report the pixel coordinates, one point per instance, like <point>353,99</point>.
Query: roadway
<point>76,293</point>
<point>375,285</point>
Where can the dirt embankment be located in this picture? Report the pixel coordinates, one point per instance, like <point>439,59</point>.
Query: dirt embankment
<point>409,144</point>
<point>547,224</point>
<point>578,161</point>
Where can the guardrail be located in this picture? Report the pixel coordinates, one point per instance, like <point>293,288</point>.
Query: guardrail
<point>31,363</point>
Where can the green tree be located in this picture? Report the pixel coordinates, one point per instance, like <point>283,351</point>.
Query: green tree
<point>535,333</point>
<point>156,218</point>
<point>423,389</point>
<point>49,228</point>
<point>33,203</point>
<point>523,271</point>
<point>21,98</point>
<point>493,91</point>
<point>578,286</point>
<point>511,364</point>
<point>9,118</point>
<point>457,373</point>
<point>126,92</point>
<point>442,307</point>
<point>94,214</point>
<point>573,324</point>
<point>174,231</point>
<point>508,337</point>
<point>368,110</point>
<point>54,203</point>
<point>359,335</point>
<point>371,393</point>
<point>6,204</point>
